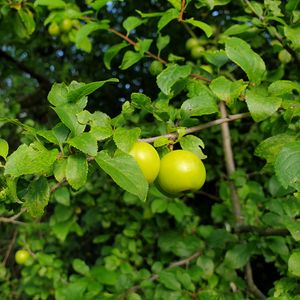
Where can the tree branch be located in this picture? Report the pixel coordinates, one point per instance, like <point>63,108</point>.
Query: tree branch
<point>180,18</point>
<point>154,277</point>
<point>262,231</point>
<point>45,83</point>
<point>14,218</point>
<point>236,205</point>
<point>9,248</point>
<point>173,136</point>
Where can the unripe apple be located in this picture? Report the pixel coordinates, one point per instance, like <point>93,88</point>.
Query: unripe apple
<point>66,25</point>
<point>147,158</point>
<point>180,171</point>
<point>22,256</point>
<point>54,29</point>
<point>191,43</point>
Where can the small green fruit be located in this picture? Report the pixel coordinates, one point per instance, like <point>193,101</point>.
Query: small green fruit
<point>66,25</point>
<point>156,67</point>
<point>191,43</point>
<point>21,256</point>
<point>284,56</point>
<point>54,29</point>
<point>197,52</point>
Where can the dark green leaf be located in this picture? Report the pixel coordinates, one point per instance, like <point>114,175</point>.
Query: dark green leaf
<point>287,165</point>
<point>80,267</point>
<point>239,255</point>
<point>169,280</point>
<point>32,159</point>
<point>76,170</point>
<point>37,197</point>
<point>169,76</point>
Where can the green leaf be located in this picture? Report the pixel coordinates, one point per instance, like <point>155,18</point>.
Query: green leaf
<point>85,142</point>
<point>32,159</point>
<point>27,20</point>
<point>169,76</point>
<point>124,170</point>
<point>159,205</point>
<point>141,101</point>
<point>37,197</point>
<point>143,46</point>
<point>175,3</point>
<point>227,90</point>
<point>169,280</point>
<point>112,52</point>
<point>293,226</point>
<point>62,195</point>
<point>125,138</point>
<point>104,276</point>
<point>240,53</point>
<point>176,210</point>
<point>193,143</point>
<point>293,34</point>
<point>59,169</point>
<point>80,267</point>
<point>270,147</point>
<point>50,3</point>
<point>239,255</point>
<point>162,42</point>
<point>282,87</point>
<point>203,26</point>
<point>202,101</point>
<point>261,106</point>
<point>167,17</point>
<point>76,170</point>
<point>287,165</point>
<point>216,57</point>
<point>237,29</point>
<point>3,148</point>
<point>83,90</point>
<point>206,265</point>
<point>294,263</point>
<point>82,41</point>
<point>58,94</point>
<point>131,23</point>
<point>130,58</point>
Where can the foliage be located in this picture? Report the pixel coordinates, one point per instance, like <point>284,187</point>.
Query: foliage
<point>75,100</point>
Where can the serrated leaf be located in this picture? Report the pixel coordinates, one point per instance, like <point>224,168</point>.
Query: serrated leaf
<point>58,94</point>
<point>203,26</point>
<point>294,263</point>
<point>270,147</point>
<point>261,106</point>
<point>239,255</point>
<point>131,23</point>
<point>143,46</point>
<point>202,103</point>
<point>287,165</point>
<point>169,76</point>
<point>124,170</point>
<point>169,280</point>
<point>32,159</point>
<point>237,29</point>
<point>141,101</point>
<point>293,226</point>
<point>281,87</point>
<point>293,34</point>
<point>59,169</point>
<point>37,197</point>
<point>130,58</point>
<point>125,138</point>
<point>161,141</point>
<point>3,148</point>
<point>62,196</point>
<point>85,142</point>
<point>67,114</point>
<point>206,265</point>
<point>76,170</point>
<point>216,57</point>
<point>84,90</point>
<point>167,17</point>
<point>193,143</point>
<point>80,267</point>
<point>227,90</point>
<point>241,53</point>
<point>112,52</point>
<point>82,41</point>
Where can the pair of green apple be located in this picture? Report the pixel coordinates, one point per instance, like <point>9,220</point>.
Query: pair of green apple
<point>176,172</point>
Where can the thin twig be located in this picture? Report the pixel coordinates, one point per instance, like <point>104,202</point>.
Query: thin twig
<point>173,136</point>
<point>236,205</point>
<point>261,231</point>
<point>230,166</point>
<point>180,18</point>
<point>251,285</point>
<point>14,218</point>
<point>179,263</point>
<point>9,248</point>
